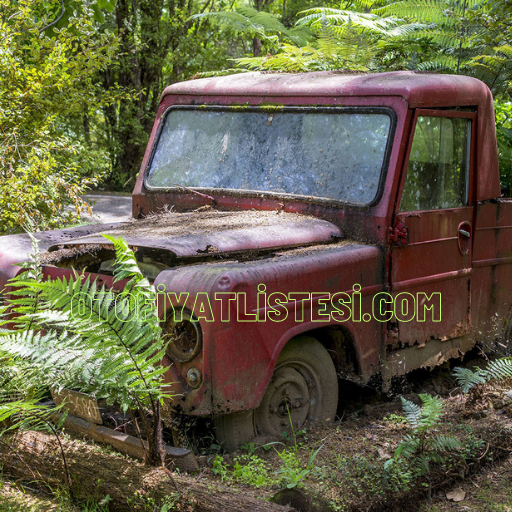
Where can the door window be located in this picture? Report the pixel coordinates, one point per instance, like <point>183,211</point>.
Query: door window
<point>438,168</point>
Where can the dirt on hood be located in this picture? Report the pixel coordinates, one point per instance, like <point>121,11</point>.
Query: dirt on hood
<point>197,233</point>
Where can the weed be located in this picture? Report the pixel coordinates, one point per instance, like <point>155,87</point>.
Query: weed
<point>170,502</point>
<point>251,470</point>
<point>247,469</point>
<point>93,506</point>
<point>396,419</point>
<point>292,471</point>
<point>146,503</point>
<point>220,468</point>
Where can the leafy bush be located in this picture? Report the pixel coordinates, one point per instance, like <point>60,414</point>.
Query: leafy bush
<point>48,83</point>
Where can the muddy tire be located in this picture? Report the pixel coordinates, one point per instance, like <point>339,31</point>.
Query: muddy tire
<point>304,387</point>
<point>234,429</point>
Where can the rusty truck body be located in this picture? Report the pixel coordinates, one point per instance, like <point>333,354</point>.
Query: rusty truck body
<point>305,228</point>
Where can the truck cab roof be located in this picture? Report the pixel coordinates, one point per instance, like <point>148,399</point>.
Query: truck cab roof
<point>418,89</point>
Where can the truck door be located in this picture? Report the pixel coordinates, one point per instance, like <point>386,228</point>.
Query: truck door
<point>431,237</point>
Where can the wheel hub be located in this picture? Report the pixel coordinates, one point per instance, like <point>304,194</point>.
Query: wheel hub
<point>286,400</point>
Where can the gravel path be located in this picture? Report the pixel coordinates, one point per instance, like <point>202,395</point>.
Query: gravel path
<point>109,207</point>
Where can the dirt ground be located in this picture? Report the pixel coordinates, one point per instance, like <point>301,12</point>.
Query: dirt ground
<point>344,462</point>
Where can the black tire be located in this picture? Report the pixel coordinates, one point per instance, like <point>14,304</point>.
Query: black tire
<point>234,429</point>
<point>304,387</point>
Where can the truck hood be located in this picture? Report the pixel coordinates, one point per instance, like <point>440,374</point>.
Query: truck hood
<point>196,234</point>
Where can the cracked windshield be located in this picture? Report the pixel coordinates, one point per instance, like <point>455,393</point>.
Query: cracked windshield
<point>333,155</point>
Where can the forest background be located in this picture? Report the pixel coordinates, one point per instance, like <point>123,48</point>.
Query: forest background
<point>81,79</point>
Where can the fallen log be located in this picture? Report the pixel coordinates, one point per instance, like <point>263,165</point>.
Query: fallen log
<point>96,473</point>
<point>180,458</point>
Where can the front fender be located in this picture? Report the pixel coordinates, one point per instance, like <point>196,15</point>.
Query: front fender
<point>239,354</point>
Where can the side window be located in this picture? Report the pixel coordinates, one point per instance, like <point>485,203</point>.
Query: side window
<point>438,168</point>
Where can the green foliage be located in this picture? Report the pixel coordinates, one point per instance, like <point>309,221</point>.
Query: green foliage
<point>491,38</point>
<point>497,370</point>
<point>251,470</point>
<point>159,44</point>
<point>248,469</point>
<point>341,39</point>
<point>220,468</point>
<point>470,37</point>
<point>397,419</point>
<point>48,82</point>
<point>365,475</point>
<point>293,472</point>
<point>467,378</point>
<point>249,21</point>
<point>144,502</point>
<point>445,24</point>
<point>74,334</point>
<point>503,110</point>
<point>422,446</point>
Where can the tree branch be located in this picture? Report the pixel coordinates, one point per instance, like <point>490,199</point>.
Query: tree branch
<point>57,20</point>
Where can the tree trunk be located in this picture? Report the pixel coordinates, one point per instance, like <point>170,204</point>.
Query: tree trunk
<point>256,47</point>
<point>156,454</point>
<point>35,456</point>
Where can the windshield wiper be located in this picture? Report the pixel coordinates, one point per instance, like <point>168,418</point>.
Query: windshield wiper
<point>212,199</point>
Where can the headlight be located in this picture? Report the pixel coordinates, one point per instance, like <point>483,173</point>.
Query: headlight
<point>185,338</point>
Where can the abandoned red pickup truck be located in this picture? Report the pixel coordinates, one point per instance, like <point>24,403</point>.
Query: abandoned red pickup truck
<point>305,228</point>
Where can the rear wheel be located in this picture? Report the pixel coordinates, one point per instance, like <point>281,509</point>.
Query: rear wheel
<point>304,387</point>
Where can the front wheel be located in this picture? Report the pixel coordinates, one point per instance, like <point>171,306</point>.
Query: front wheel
<point>304,387</point>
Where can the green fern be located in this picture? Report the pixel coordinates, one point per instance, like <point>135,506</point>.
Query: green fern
<point>448,27</point>
<point>500,369</point>
<point>497,370</point>
<point>422,446</point>
<point>78,336</point>
<point>431,413</point>
<point>467,378</point>
<point>412,412</point>
<point>336,39</point>
<point>372,23</point>
<point>264,25</point>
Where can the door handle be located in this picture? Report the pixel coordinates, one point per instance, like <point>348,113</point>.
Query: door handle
<point>465,233</point>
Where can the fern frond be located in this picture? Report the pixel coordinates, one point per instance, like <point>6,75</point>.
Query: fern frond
<point>412,412</point>
<point>467,378</point>
<point>247,20</point>
<point>431,412</point>
<point>90,338</point>
<point>86,337</point>
<point>26,414</point>
<point>371,22</point>
<point>499,369</point>
<point>423,11</point>
<point>441,62</point>
<point>505,49</point>
<point>327,41</point>
<point>407,447</point>
<point>443,443</point>
<point>421,464</point>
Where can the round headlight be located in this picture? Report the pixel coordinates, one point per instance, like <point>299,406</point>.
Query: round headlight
<point>185,339</point>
